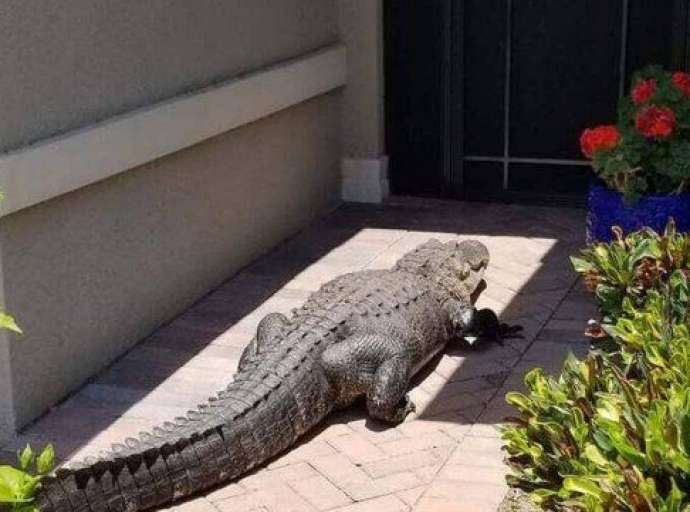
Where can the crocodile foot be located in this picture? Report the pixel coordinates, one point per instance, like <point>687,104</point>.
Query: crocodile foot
<point>402,409</point>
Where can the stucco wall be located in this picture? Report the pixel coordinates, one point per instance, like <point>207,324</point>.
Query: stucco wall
<point>364,164</point>
<point>6,398</point>
<point>68,64</point>
<point>361,26</point>
<point>90,273</point>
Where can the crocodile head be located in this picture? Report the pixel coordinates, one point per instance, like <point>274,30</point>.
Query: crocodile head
<point>456,266</point>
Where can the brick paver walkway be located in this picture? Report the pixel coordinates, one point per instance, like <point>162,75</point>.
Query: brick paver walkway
<point>445,458</point>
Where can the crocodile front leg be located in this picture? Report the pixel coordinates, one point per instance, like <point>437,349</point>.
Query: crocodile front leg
<point>374,365</point>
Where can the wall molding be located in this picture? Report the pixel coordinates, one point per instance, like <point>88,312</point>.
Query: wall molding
<point>365,180</point>
<point>56,166</point>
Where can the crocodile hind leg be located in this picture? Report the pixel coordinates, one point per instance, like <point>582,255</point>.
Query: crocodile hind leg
<point>373,365</point>
<point>387,398</point>
<point>267,334</point>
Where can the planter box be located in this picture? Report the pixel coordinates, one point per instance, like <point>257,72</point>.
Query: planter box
<point>606,208</point>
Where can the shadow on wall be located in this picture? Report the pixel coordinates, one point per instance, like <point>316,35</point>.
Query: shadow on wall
<point>528,277</point>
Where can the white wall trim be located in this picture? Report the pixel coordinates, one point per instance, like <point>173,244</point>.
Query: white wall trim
<point>365,180</point>
<point>57,166</point>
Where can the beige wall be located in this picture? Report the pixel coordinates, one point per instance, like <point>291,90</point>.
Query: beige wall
<point>66,64</point>
<point>361,26</point>
<point>7,415</point>
<point>90,273</point>
<point>364,162</point>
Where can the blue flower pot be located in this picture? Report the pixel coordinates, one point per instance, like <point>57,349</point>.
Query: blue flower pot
<point>606,208</point>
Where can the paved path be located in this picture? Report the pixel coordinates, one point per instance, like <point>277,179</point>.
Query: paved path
<point>445,458</point>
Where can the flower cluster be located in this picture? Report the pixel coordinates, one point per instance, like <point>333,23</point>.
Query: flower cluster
<point>648,150</point>
<point>643,91</point>
<point>601,138</point>
<point>655,122</point>
<point>682,82</point>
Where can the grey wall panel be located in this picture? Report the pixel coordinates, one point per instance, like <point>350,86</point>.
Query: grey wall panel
<point>485,77</point>
<point>650,35</point>
<point>415,88</point>
<point>565,73</point>
<point>482,178</point>
<point>558,180</point>
<point>67,64</point>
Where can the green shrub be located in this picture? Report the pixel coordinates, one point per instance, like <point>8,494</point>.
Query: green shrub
<point>631,265</point>
<point>612,431</point>
<point>18,485</point>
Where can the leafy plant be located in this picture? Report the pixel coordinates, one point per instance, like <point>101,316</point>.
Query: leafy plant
<point>631,265</point>
<point>648,150</point>
<point>18,485</point>
<point>583,444</point>
<point>612,432</point>
<point>8,322</point>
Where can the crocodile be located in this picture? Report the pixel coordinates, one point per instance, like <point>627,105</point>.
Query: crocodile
<point>363,334</point>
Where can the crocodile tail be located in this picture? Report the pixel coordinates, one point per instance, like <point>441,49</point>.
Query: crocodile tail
<point>255,418</point>
<point>176,460</point>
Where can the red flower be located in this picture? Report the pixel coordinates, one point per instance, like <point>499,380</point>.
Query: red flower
<point>643,91</point>
<point>682,81</point>
<point>655,122</point>
<point>599,138</point>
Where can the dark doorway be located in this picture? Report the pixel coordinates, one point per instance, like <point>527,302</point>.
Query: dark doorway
<point>486,99</point>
